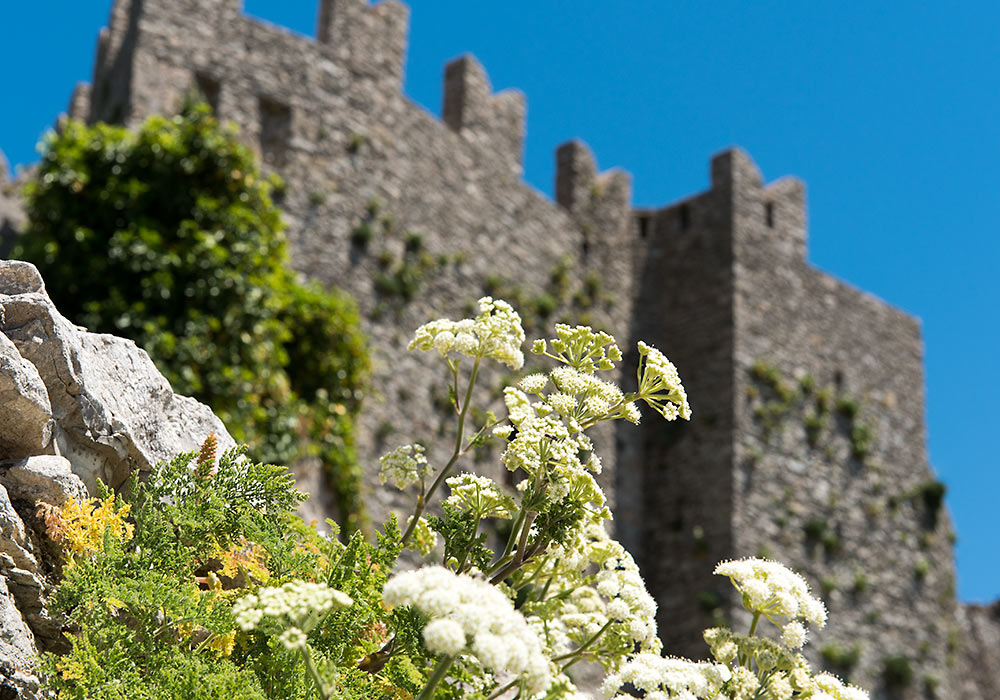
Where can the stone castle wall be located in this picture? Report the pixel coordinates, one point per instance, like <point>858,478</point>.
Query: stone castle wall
<point>379,192</point>
<point>807,442</point>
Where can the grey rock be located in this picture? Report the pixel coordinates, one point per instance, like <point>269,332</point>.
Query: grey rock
<point>19,277</point>
<point>17,650</point>
<point>30,591</point>
<point>26,418</point>
<point>14,540</point>
<point>114,411</point>
<point>46,478</point>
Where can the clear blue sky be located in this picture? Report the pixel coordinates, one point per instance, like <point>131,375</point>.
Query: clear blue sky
<point>889,111</point>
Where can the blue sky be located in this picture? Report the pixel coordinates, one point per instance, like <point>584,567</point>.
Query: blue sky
<point>888,111</point>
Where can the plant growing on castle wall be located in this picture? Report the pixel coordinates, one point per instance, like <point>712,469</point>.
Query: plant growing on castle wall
<point>168,235</point>
<point>218,591</point>
<point>776,399</point>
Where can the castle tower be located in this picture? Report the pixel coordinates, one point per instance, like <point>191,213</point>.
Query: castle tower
<point>807,442</point>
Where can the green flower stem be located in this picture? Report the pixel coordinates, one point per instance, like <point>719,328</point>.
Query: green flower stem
<point>500,691</point>
<point>579,651</point>
<point>522,556</point>
<point>548,583</point>
<point>465,555</point>
<point>313,673</point>
<point>440,671</point>
<point>753,628</point>
<point>513,537</point>
<point>422,503</point>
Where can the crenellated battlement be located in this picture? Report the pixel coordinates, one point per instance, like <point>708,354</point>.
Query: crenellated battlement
<point>493,122</point>
<point>737,200</point>
<point>370,39</point>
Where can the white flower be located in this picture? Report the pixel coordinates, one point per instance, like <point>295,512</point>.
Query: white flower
<point>679,678</point>
<point>444,636</point>
<point>293,638</point>
<point>500,637</point>
<point>773,589</point>
<point>793,635</point>
<point>297,605</point>
<point>405,465</point>
<point>480,495</point>
<point>503,431</point>
<point>631,413</point>
<point>533,383</point>
<point>659,384</point>
<point>496,333</point>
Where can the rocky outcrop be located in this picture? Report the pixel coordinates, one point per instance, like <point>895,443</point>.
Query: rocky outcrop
<point>26,419</point>
<point>114,412</point>
<point>76,407</point>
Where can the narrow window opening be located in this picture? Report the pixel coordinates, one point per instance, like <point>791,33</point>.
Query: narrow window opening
<point>208,90</point>
<point>838,379</point>
<point>643,225</point>
<point>769,214</point>
<point>275,132</point>
<point>683,217</point>
<point>586,248</point>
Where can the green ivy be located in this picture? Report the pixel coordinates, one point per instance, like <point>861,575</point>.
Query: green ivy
<point>168,236</point>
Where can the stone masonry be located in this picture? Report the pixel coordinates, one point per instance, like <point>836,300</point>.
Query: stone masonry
<point>807,442</point>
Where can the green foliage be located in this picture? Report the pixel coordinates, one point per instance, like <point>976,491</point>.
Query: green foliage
<point>841,657</point>
<point>168,236</point>
<point>776,399</point>
<point>563,298</point>
<point>152,617</point>
<point>897,671</point>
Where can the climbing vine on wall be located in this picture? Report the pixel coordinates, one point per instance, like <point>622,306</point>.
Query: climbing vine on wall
<point>168,235</point>
<point>779,401</point>
<point>562,299</point>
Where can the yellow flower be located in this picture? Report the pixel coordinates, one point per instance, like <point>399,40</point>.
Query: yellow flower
<point>80,527</point>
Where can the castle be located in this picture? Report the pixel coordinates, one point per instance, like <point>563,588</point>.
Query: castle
<point>807,442</point>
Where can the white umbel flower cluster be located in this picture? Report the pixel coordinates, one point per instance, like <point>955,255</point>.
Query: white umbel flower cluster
<point>829,687</point>
<point>660,385</point>
<point>496,333</point>
<point>773,589</point>
<point>480,495</point>
<point>292,610</point>
<point>404,466</point>
<point>663,678</point>
<point>470,616</point>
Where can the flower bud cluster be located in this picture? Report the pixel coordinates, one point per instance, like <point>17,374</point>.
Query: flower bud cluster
<point>292,610</point>
<point>470,616</point>
<point>581,348</point>
<point>659,384</point>
<point>829,687</point>
<point>404,466</point>
<point>496,333</point>
<point>479,495</point>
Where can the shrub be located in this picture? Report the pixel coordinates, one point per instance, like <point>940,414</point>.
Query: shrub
<point>168,236</point>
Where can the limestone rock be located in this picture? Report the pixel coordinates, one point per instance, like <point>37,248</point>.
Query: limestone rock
<point>26,418</point>
<point>30,592</point>
<point>14,540</point>
<point>47,478</point>
<point>17,650</point>
<point>114,411</point>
